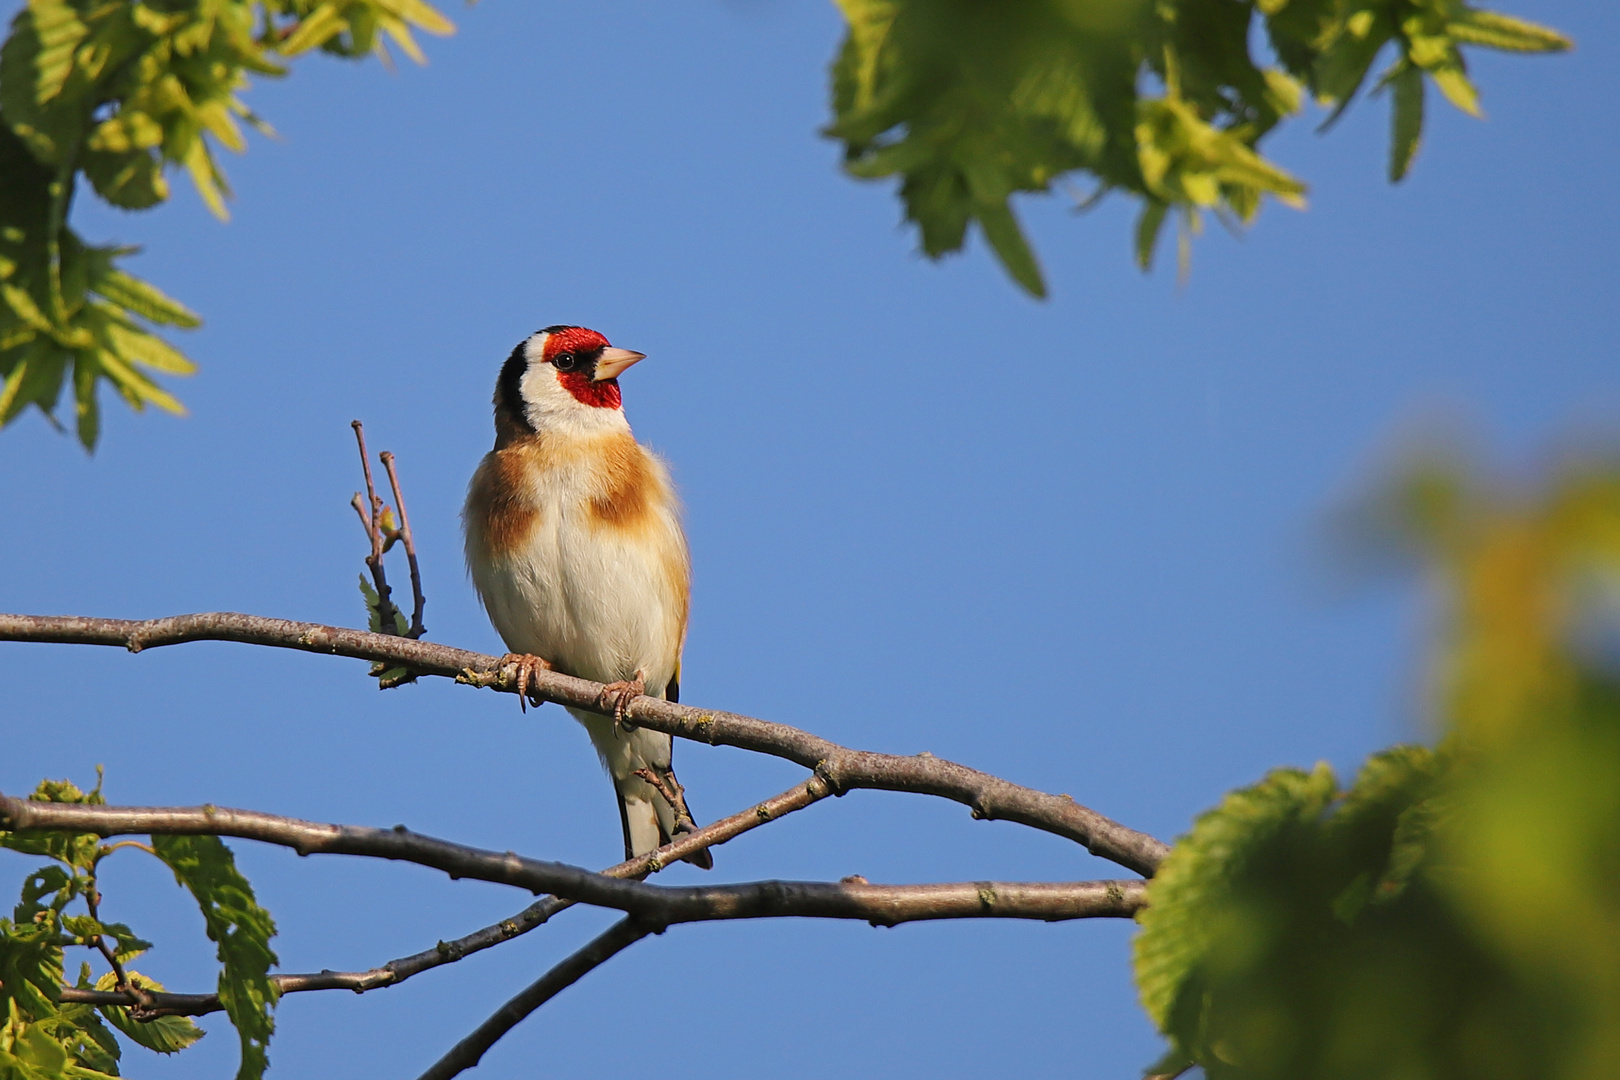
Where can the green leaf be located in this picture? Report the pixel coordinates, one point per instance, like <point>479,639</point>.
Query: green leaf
<point>130,181</point>
<point>1457,88</point>
<point>165,1034</point>
<point>36,62</point>
<point>135,295</point>
<point>130,344</point>
<point>76,850</point>
<point>1190,892</point>
<point>314,29</point>
<point>420,14</point>
<point>1505,32</point>
<point>1406,120</point>
<point>1007,240</point>
<point>36,379</point>
<point>1297,932</point>
<point>87,409</point>
<point>241,929</point>
<point>1148,226</point>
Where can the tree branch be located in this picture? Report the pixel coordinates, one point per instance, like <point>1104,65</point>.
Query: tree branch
<point>467,1053</point>
<point>656,905</point>
<point>418,599</point>
<point>371,521</point>
<point>536,914</point>
<point>989,797</point>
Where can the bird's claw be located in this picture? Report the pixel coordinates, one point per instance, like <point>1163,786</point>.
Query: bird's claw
<point>661,778</point>
<point>527,666</point>
<point>619,695</point>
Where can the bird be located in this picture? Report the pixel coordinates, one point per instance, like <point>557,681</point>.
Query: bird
<point>575,547</point>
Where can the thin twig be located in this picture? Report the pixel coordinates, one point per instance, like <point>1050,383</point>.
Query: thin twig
<point>466,1053</point>
<point>990,797</point>
<point>536,914</point>
<point>880,905</point>
<point>141,1000</point>
<point>372,520</point>
<point>419,601</point>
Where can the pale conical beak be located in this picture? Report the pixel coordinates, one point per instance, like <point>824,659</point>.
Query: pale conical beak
<point>612,361</point>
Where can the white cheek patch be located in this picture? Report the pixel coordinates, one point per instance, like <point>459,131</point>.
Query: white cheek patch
<point>551,409</point>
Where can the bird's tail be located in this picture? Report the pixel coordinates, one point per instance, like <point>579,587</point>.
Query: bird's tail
<point>649,818</point>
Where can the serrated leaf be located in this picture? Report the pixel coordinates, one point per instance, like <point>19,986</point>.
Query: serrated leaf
<point>36,379</point>
<point>147,349</point>
<point>241,929</point>
<point>36,62</point>
<point>1007,241</point>
<point>206,177</point>
<point>165,1034</point>
<point>78,850</point>
<point>1190,886</point>
<point>130,181</point>
<point>142,298</point>
<point>136,389</point>
<point>1498,31</point>
<point>1148,226</point>
<point>1457,88</point>
<point>23,305</point>
<point>421,14</point>
<point>401,35</point>
<point>1406,120</point>
<point>129,946</point>
<point>87,410</point>
<point>44,1055</point>
<point>314,30</point>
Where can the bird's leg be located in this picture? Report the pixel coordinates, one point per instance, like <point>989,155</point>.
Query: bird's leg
<point>619,695</point>
<point>526,667</point>
<point>662,779</point>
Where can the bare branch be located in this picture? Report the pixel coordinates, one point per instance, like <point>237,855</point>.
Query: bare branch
<point>467,1053</point>
<point>657,905</point>
<point>989,797</point>
<point>448,952</point>
<point>419,600</point>
<point>371,519</point>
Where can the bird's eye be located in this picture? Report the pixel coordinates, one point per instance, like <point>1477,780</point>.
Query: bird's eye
<point>565,361</point>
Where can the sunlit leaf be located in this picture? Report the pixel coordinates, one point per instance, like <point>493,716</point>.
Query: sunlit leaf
<point>165,1034</point>
<point>241,929</point>
<point>1407,120</point>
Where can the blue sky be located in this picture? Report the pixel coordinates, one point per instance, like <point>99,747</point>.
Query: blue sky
<point>1100,570</point>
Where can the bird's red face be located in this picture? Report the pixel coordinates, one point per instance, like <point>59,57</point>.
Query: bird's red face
<point>575,353</point>
<point>563,378</point>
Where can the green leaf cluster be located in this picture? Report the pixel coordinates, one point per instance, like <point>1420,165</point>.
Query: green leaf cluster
<point>118,92</point>
<point>387,677</point>
<point>1451,914</point>
<point>241,929</point>
<point>40,1036</point>
<point>969,103</point>
<point>43,1038</point>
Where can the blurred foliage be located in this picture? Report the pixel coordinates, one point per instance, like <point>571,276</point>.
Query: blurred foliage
<point>969,102</point>
<point>1454,913</point>
<point>966,102</point>
<point>117,92</point>
<point>43,1038</point>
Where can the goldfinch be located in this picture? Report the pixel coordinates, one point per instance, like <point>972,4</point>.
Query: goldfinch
<point>574,543</point>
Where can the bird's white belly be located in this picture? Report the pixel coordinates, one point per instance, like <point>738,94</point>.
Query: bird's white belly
<point>593,603</point>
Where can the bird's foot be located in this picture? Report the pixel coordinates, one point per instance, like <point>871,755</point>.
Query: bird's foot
<point>619,695</point>
<point>527,666</point>
<point>662,780</point>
